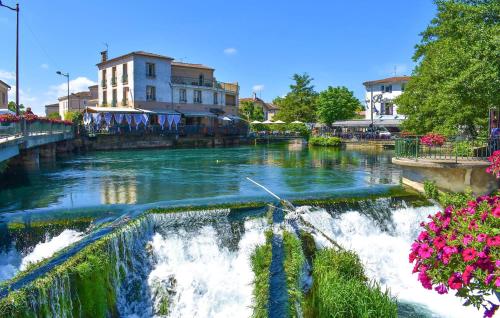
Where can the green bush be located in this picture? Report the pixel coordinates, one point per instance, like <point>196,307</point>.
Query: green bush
<point>458,200</point>
<point>341,289</point>
<point>301,129</point>
<point>431,190</point>
<point>325,141</point>
<point>463,149</point>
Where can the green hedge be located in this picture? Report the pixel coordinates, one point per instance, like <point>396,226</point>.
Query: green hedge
<point>301,129</point>
<point>341,289</point>
<point>325,141</point>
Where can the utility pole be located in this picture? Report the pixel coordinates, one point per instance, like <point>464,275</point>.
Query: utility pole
<point>67,77</point>
<point>17,51</point>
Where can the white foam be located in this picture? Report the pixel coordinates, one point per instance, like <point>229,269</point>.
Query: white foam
<point>211,281</point>
<point>385,255</point>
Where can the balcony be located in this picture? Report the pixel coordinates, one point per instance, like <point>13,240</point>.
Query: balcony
<point>113,103</point>
<point>192,81</point>
<point>103,83</point>
<point>113,81</point>
<point>125,79</point>
<point>124,102</point>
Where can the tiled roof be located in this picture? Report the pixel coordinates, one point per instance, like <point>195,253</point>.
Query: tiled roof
<point>4,84</point>
<point>269,106</point>
<point>76,95</point>
<point>140,53</point>
<point>395,79</point>
<point>191,65</point>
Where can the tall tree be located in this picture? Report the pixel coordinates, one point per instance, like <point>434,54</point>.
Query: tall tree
<point>251,111</point>
<point>457,78</point>
<point>337,103</point>
<point>300,102</point>
<point>12,107</point>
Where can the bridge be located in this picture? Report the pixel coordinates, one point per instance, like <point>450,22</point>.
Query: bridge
<point>32,139</point>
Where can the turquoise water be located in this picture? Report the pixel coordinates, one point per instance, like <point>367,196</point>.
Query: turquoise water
<point>186,176</point>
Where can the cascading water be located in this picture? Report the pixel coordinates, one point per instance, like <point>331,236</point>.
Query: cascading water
<point>383,246</point>
<point>13,261</point>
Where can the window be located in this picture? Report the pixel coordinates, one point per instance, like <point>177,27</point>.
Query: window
<point>150,93</point>
<point>113,102</point>
<point>201,80</point>
<point>386,108</point>
<point>182,95</point>
<point>125,73</point>
<point>382,88</point>
<point>104,98</point>
<point>103,82</point>
<point>150,70</point>
<point>125,96</point>
<point>216,99</point>
<point>403,86</point>
<point>113,76</point>
<point>197,97</point>
<point>388,89</point>
<point>3,98</point>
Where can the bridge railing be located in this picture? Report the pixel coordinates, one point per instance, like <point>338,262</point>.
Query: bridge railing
<point>454,149</point>
<point>24,128</point>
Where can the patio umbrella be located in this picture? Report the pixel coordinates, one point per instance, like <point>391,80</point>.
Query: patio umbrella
<point>226,118</point>
<point>256,122</point>
<point>279,122</point>
<point>267,122</point>
<point>297,122</point>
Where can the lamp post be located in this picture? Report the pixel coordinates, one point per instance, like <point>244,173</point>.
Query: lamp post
<point>67,77</point>
<point>17,52</point>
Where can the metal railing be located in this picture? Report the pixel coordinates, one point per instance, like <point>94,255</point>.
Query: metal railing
<point>211,83</point>
<point>453,149</point>
<point>25,128</point>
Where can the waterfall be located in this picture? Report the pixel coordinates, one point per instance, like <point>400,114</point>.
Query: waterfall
<point>383,246</point>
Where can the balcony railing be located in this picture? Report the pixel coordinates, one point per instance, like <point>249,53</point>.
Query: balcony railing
<point>103,83</point>
<point>125,79</point>
<point>204,83</point>
<point>113,81</point>
<point>124,102</point>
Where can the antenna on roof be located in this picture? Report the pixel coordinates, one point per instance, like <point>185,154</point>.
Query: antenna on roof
<point>182,59</point>
<point>395,68</point>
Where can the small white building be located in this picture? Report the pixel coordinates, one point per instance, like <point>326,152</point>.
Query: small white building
<point>381,94</point>
<point>153,82</point>
<point>4,96</point>
<point>78,101</point>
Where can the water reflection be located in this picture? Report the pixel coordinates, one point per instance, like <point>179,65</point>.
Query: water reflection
<point>148,176</point>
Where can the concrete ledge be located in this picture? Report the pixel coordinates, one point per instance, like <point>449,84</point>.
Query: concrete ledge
<point>444,163</point>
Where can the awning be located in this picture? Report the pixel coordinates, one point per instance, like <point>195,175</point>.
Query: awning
<point>159,111</point>
<point>198,114</point>
<point>233,117</point>
<point>279,122</point>
<point>256,122</point>
<point>267,122</point>
<point>115,110</point>
<point>363,123</point>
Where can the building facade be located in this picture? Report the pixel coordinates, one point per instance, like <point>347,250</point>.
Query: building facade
<point>152,82</point>
<point>51,109</point>
<point>380,95</point>
<point>269,109</point>
<point>78,101</point>
<point>4,94</point>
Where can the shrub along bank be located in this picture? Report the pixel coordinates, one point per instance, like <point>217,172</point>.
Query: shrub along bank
<point>325,141</point>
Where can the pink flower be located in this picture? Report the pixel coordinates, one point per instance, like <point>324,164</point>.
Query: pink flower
<point>441,289</point>
<point>439,242</point>
<point>467,239</point>
<point>424,279</point>
<point>467,275</point>
<point>469,254</point>
<point>423,235</point>
<point>497,282</point>
<point>488,279</point>
<point>425,251</point>
<point>493,241</point>
<point>481,237</point>
<point>455,282</point>
<point>496,212</point>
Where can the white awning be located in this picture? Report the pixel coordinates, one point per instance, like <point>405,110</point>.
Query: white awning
<point>279,122</point>
<point>267,122</point>
<point>116,110</point>
<point>366,123</point>
<point>297,122</point>
<point>198,114</point>
<point>158,111</point>
<point>234,117</point>
<point>256,122</point>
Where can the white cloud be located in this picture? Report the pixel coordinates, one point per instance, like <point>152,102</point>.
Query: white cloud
<point>230,51</point>
<point>45,66</point>
<point>78,84</point>
<point>258,88</point>
<point>7,76</point>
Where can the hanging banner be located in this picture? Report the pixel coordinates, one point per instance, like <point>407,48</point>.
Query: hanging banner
<point>170,119</point>
<point>107,118</point>
<point>138,120</point>
<point>161,120</point>
<point>177,119</point>
<point>86,119</point>
<point>128,119</point>
<point>118,119</point>
<point>145,119</point>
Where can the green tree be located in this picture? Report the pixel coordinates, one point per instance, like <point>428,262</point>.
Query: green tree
<point>12,107</point>
<point>54,116</point>
<point>457,78</point>
<point>299,103</point>
<point>337,103</point>
<point>251,111</point>
<point>74,116</point>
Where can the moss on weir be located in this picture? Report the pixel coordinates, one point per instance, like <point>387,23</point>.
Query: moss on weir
<point>261,262</point>
<point>293,263</point>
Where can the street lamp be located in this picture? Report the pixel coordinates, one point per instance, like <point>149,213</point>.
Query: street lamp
<point>17,51</point>
<point>67,77</point>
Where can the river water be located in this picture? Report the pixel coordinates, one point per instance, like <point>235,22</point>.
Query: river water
<point>210,261</point>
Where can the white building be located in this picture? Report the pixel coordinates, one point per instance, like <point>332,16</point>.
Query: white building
<point>77,101</point>
<point>157,83</point>
<point>383,92</point>
<point>4,96</point>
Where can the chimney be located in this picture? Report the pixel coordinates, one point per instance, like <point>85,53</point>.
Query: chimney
<point>104,56</point>
<point>254,95</point>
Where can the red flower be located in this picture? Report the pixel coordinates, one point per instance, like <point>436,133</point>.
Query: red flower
<point>439,242</point>
<point>467,275</point>
<point>496,212</point>
<point>455,282</point>
<point>493,241</point>
<point>425,251</point>
<point>469,254</point>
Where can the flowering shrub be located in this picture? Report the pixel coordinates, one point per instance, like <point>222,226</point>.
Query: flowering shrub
<point>8,118</point>
<point>495,164</point>
<point>459,249</point>
<point>433,140</point>
<point>30,118</point>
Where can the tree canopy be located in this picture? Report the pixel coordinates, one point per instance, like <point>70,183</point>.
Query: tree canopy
<point>12,107</point>
<point>300,102</point>
<point>337,103</point>
<point>251,111</point>
<point>457,78</point>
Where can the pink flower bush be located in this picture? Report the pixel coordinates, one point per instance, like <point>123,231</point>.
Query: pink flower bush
<point>433,140</point>
<point>494,168</point>
<point>459,249</point>
<point>8,118</point>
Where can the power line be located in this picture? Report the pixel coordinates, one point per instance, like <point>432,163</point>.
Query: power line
<point>38,42</point>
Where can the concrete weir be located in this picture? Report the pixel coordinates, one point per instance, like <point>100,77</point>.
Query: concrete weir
<point>455,176</point>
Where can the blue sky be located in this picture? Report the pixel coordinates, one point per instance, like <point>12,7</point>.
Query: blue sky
<point>260,44</point>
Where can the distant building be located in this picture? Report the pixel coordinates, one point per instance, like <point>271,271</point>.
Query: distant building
<point>78,101</point>
<point>384,92</point>
<point>157,83</point>
<point>51,109</point>
<point>269,109</point>
<point>4,96</point>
